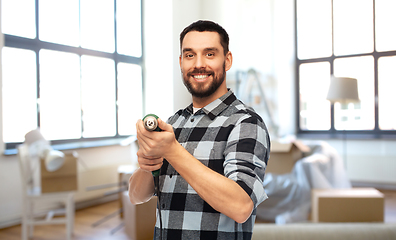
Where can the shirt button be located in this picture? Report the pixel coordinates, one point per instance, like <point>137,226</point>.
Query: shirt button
<point>192,120</point>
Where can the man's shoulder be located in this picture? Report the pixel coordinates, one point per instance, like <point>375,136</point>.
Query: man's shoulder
<point>240,110</point>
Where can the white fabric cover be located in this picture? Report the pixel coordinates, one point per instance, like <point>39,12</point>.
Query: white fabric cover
<point>290,194</point>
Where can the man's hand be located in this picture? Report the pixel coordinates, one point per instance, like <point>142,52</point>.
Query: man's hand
<point>154,146</point>
<point>149,164</point>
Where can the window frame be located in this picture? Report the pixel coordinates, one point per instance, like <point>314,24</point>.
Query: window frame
<point>333,133</point>
<point>36,45</point>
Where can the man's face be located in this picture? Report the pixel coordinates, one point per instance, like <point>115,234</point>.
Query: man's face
<point>203,64</point>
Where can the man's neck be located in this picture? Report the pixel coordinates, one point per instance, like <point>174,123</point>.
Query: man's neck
<point>202,102</point>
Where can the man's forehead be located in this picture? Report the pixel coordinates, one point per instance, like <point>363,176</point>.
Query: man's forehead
<point>206,39</point>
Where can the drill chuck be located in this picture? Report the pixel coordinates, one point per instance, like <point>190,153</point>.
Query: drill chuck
<point>150,122</point>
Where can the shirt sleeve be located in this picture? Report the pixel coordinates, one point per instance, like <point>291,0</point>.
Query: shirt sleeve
<point>246,156</point>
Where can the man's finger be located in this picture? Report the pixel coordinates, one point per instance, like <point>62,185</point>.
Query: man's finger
<point>164,126</point>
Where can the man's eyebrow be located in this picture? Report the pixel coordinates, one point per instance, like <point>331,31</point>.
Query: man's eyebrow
<point>187,50</point>
<point>205,50</point>
<point>211,49</point>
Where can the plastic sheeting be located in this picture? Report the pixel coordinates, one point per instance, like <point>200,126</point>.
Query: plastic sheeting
<point>290,194</point>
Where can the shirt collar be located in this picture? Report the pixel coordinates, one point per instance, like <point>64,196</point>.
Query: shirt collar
<point>216,107</point>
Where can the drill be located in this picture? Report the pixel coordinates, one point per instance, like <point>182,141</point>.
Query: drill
<point>150,123</point>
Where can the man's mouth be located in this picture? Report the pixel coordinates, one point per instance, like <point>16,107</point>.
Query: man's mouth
<point>200,76</point>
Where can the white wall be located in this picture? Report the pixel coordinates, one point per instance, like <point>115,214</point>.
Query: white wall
<point>158,49</point>
<point>369,161</point>
<point>184,13</point>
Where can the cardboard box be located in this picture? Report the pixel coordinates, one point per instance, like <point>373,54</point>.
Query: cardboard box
<point>139,220</point>
<point>347,205</point>
<point>124,174</point>
<point>283,156</point>
<point>61,180</point>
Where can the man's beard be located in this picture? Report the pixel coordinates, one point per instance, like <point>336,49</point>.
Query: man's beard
<point>199,90</point>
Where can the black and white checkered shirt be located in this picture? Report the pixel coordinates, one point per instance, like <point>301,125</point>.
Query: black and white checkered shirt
<point>232,140</point>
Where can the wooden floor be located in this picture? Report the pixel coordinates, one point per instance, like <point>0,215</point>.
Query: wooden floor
<point>90,223</point>
<point>109,228</point>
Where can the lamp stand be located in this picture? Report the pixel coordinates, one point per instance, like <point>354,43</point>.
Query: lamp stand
<point>344,143</point>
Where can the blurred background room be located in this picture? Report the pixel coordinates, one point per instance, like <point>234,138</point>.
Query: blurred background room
<point>84,71</point>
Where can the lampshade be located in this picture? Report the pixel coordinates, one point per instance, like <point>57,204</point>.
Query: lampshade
<point>343,89</point>
<point>53,160</point>
<point>34,136</point>
<point>41,148</point>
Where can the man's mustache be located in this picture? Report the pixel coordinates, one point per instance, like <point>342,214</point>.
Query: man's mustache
<point>200,71</point>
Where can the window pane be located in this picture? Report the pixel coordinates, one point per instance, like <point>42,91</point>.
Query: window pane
<point>319,22</point>
<point>129,28</point>
<point>353,26</point>
<point>97,25</point>
<point>19,93</point>
<point>130,107</point>
<point>59,21</point>
<point>356,116</point>
<point>98,96</point>
<point>314,84</point>
<point>385,32</point>
<point>60,114</point>
<point>386,93</point>
<point>18,18</point>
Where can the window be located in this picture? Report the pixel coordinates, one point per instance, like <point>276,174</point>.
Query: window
<point>72,68</point>
<point>346,38</point>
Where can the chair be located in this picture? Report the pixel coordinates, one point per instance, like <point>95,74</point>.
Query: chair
<point>33,198</point>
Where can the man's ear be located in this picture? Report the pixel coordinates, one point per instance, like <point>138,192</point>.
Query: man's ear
<point>180,61</point>
<point>228,61</point>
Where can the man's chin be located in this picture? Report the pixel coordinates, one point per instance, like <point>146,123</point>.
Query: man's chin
<point>199,94</point>
<point>202,93</point>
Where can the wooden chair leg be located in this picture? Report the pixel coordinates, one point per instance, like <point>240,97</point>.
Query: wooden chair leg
<point>24,230</point>
<point>69,215</point>
<point>30,218</point>
<point>24,227</point>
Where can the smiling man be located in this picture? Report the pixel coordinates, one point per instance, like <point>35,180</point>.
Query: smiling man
<point>212,155</point>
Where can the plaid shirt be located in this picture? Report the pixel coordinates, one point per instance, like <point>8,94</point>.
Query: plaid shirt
<point>230,139</point>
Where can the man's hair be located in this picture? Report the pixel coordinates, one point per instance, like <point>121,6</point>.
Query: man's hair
<point>207,26</point>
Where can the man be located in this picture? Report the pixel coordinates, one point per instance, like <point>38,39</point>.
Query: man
<point>212,155</point>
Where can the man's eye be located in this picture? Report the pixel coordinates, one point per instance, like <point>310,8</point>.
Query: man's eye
<point>189,55</point>
<point>210,54</point>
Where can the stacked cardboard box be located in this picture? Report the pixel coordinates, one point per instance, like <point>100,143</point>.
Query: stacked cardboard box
<point>347,205</point>
<point>139,220</point>
<point>63,179</point>
<point>283,156</point>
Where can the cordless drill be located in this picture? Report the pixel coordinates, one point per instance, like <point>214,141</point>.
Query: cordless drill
<point>150,123</point>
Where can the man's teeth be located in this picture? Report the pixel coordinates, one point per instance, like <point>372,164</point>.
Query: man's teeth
<point>200,76</point>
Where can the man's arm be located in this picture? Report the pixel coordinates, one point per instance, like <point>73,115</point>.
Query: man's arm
<point>141,186</point>
<point>141,183</point>
<point>223,194</point>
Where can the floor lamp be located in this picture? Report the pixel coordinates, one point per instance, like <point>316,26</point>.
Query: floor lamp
<point>343,90</point>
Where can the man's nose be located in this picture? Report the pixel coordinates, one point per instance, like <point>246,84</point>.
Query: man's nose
<point>200,62</point>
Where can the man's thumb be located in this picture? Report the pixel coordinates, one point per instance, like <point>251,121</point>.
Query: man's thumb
<point>163,125</point>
